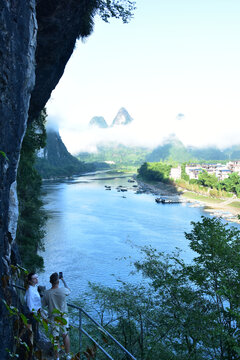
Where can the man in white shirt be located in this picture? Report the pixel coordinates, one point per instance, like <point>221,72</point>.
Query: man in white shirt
<point>55,298</point>
<point>32,296</point>
<point>33,302</point>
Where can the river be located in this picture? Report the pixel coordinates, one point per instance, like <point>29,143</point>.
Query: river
<point>94,234</point>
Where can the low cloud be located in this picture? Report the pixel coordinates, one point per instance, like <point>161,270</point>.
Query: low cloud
<point>52,123</point>
<point>151,134</point>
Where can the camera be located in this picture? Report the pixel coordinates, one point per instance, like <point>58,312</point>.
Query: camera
<point>60,275</point>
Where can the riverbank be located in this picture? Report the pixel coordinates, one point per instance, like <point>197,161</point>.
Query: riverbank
<point>157,188</point>
<point>229,209</point>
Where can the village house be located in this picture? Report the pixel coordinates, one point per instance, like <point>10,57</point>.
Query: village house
<point>193,170</point>
<point>234,166</point>
<point>222,174</point>
<point>175,173</point>
<point>221,171</point>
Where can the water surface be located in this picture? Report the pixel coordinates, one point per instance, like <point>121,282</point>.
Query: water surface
<point>94,234</point>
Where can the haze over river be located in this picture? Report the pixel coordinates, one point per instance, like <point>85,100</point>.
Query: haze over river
<point>93,234</point>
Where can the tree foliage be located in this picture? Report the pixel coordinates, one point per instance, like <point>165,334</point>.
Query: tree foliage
<point>157,171</point>
<point>205,180</point>
<point>182,311</point>
<point>184,175</point>
<point>31,215</point>
<point>209,180</point>
<point>119,9</point>
<point>231,184</point>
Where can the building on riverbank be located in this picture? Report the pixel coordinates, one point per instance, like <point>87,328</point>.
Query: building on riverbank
<point>221,171</point>
<point>176,172</point>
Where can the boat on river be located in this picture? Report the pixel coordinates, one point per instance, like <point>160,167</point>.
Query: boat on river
<point>167,201</point>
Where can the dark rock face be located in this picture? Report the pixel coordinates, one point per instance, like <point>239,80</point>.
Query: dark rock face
<point>17,75</point>
<point>60,23</point>
<point>122,118</point>
<point>98,121</point>
<point>37,38</point>
<point>54,161</point>
<point>55,153</point>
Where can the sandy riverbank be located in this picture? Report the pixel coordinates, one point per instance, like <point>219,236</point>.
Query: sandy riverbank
<point>222,209</point>
<point>159,189</point>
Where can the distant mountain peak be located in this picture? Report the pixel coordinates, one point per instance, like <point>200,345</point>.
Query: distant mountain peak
<point>122,117</point>
<point>98,121</point>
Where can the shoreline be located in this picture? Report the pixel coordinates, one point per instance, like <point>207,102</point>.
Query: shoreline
<point>222,209</point>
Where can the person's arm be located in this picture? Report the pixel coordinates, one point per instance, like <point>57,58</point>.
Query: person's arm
<point>64,283</point>
<point>44,301</point>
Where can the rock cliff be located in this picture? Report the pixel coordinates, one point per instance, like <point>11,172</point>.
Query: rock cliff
<point>55,161</point>
<point>18,29</point>
<point>60,23</point>
<point>36,41</point>
<point>37,38</point>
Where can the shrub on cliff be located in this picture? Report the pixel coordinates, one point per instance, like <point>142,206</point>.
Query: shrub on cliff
<point>31,215</point>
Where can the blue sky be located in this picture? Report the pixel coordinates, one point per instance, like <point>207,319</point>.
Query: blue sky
<point>175,56</point>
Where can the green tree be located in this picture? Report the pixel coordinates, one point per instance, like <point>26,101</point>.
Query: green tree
<point>231,184</point>
<point>184,175</point>
<point>208,180</point>
<point>157,171</point>
<point>31,215</point>
<point>182,311</point>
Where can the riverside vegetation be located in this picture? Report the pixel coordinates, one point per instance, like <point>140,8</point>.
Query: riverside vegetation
<point>206,184</point>
<point>182,311</point>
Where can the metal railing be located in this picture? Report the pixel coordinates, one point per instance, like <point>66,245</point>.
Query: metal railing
<point>100,328</point>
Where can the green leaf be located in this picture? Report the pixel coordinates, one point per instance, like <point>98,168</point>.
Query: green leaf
<point>60,320</point>
<point>11,309</point>
<point>56,311</point>
<point>24,319</point>
<point>4,155</point>
<point>45,325</point>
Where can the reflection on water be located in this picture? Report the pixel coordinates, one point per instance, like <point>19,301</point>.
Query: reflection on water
<point>94,234</point>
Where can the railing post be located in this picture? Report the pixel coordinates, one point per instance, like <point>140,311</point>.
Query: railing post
<point>80,333</point>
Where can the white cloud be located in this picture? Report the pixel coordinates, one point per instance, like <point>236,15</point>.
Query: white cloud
<point>158,66</point>
<point>191,130</point>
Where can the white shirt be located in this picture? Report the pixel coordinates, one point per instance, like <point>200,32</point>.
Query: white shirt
<point>32,298</point>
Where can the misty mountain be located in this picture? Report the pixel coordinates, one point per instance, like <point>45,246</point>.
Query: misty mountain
<point>172,149</point>
<point>176,151</point>
<point>233,152</point>
<point>122,118</point>
<point>210,153</point>
<point>117,155</point>
<point>98,121</point>
<point>55,160</point>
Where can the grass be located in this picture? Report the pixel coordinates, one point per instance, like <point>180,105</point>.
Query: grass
<point>192,195</point>
<point>235,204</point>
<point>128,169</point>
